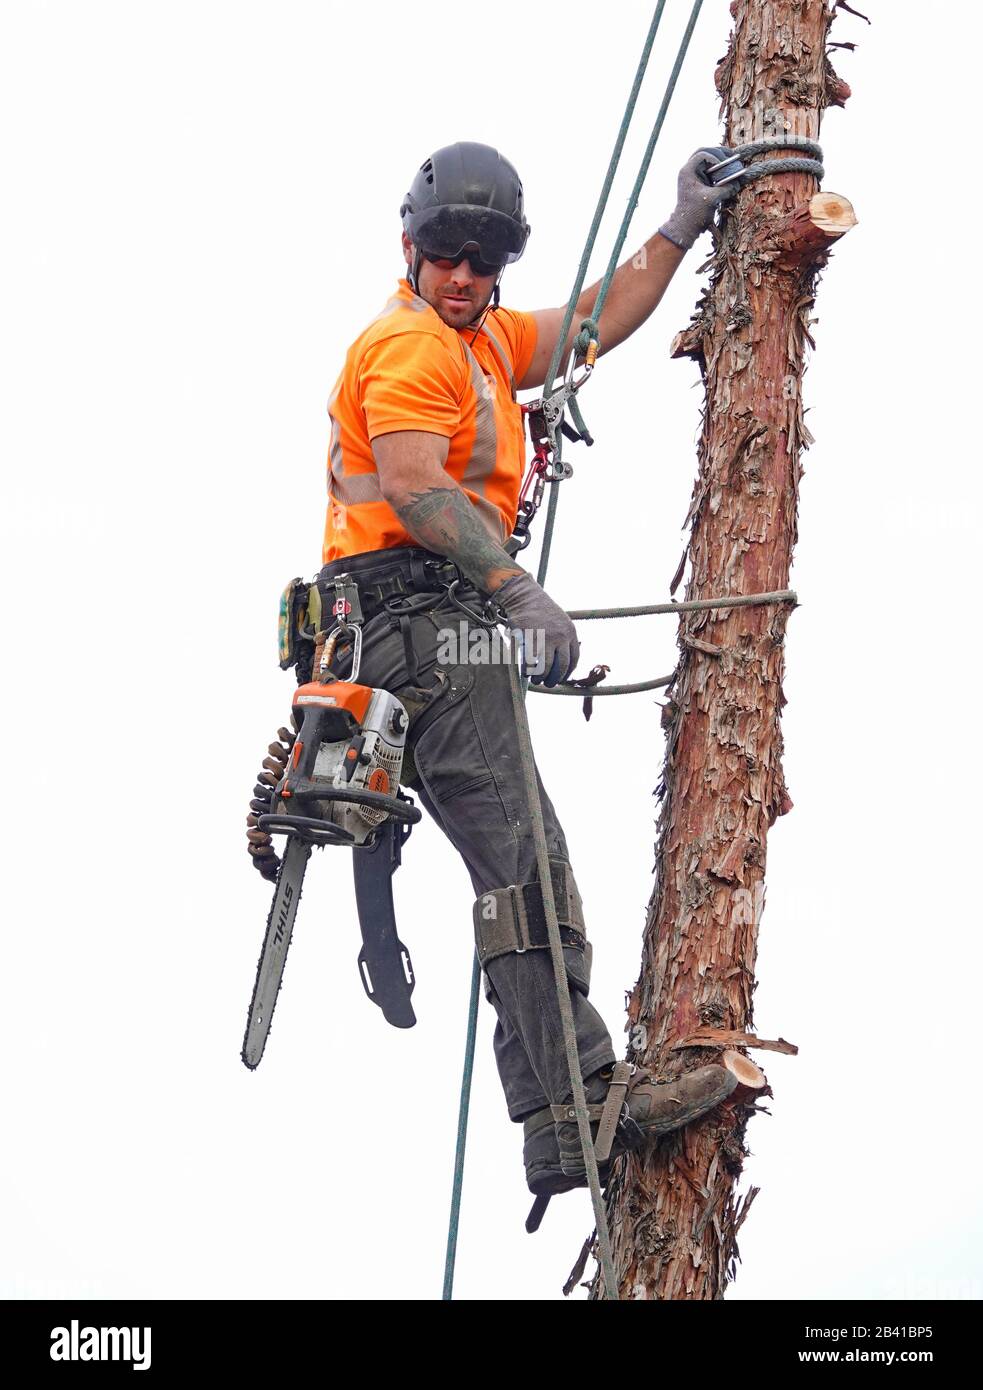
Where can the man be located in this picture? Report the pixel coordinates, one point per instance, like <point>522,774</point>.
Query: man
<point>425,464</point>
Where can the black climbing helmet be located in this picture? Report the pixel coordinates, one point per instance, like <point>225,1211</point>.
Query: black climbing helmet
<point>466,195</point>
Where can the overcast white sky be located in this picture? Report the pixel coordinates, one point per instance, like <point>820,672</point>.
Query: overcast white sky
<point>201,212</point>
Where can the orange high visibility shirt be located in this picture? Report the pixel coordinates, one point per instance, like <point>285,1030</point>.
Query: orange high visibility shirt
<point>410,371</point>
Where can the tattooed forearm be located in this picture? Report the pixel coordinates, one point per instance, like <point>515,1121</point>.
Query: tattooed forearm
<point>442,519</point>
<point>435,510</point>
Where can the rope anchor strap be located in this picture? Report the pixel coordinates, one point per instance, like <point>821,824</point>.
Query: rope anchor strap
<point>810,163</point>
<point>589,328</point>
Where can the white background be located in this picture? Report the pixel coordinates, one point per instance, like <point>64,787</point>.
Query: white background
<point>200,215</point>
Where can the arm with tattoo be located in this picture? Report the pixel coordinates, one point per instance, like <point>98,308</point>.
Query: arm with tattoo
<point>438,515</point>
<point>435,510</point>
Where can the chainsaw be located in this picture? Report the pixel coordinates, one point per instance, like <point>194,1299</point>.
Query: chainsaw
<point>340,786</point>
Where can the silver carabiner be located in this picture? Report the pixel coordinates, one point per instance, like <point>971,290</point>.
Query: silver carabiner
<point>332,642</point>
<point>721,164</point>
<point>357,653</point>
<point>719,183</point>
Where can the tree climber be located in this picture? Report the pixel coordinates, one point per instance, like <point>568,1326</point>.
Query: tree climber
<point>425,464</point>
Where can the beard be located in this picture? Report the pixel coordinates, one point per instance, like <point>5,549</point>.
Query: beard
<point>460,315</point>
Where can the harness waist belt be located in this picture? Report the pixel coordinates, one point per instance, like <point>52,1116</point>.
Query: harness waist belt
<point>391,573</point>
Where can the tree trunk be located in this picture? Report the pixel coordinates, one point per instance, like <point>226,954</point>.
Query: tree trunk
<point>673,1211</point>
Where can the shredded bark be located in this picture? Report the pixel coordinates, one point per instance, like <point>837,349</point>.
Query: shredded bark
<point>728,1037</point>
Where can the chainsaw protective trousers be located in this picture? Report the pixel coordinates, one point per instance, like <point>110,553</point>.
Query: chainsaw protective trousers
<point>464,766</point>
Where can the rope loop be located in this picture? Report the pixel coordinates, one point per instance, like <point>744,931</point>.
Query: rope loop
<point>809,163</point>
<point>589,333</point>
<point>780,142</point>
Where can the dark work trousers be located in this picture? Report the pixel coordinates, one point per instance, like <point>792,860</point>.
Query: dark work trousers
<point>468,777</point>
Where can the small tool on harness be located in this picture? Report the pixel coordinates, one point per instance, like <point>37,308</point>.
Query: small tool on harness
<point>339,786</point>
<point>543,468</point>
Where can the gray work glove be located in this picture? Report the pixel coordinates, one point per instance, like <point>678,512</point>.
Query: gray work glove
<point>550,649</point>
<point>698,198</point>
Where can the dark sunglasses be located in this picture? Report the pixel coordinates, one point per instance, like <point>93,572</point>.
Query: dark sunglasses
<point>478,267</point>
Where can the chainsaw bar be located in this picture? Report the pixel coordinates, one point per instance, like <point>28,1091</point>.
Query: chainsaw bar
<point>276,943</point>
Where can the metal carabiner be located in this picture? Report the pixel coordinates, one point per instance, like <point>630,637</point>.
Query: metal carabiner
<point>492,615</point>
<point>357,654</point>
<point>729,178</point>
<point>721,164</point>
<point>337,631</point>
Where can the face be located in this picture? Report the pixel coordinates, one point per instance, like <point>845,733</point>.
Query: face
<point>457,294</point>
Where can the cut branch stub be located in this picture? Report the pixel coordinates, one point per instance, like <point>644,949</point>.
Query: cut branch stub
<point>750,1079</point>
<point>800,238</point>
<point>809,230</point>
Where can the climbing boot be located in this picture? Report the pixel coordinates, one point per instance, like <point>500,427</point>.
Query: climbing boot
<point>636,1109</point>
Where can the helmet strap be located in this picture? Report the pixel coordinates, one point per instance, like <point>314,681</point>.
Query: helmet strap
<point>492,304</point>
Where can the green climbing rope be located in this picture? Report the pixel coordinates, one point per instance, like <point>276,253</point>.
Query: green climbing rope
<point>602,201</point>
<point>462,1133</point>
<point>590,327</point>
